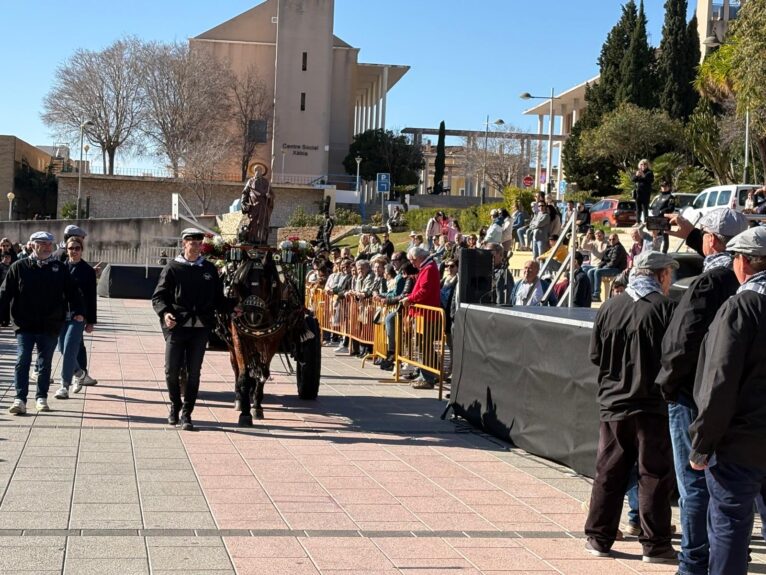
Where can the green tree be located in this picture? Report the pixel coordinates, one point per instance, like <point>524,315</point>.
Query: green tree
<point>676,66</point>
<point>703,137</point>
<point>439,161</point>
<point>629,134</point>
<point>597,175</point>
<point>637,84</point>
<point>384,151</point>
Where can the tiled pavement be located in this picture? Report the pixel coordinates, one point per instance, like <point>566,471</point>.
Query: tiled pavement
<point>367,479</point>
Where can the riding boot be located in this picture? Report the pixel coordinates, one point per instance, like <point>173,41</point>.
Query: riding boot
<point>173,415</point>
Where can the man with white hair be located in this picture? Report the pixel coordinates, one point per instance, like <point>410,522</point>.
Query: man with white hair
<point>680,354</point>
<point>634,420</point>
<point>729,432</point>
<point>39,291</point>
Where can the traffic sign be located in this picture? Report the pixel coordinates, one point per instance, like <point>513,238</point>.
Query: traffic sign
<point>383,182</point>
<point>563,186</point>
<point>528,181</point>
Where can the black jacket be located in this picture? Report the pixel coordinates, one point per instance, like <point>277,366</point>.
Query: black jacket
<point>39,296</point>
<point>85,277</point>
<point>189,292</point>
<point>643,186</point>
<point>625,345</point>
<point>691,320</point>
<point>583,291</point>
<point>615,257</point>
<point>503,283</point>
<point>666,204</point>
<point>730,388</point>
<point>387,248</point>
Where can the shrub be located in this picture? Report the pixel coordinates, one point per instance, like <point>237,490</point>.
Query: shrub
<point>69,211</point>
<point>344,217</point>
<point>300,219</point>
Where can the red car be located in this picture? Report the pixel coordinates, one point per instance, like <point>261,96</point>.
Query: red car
<point>613,212</point>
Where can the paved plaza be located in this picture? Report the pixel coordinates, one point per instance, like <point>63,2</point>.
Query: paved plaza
<point>366,480</point>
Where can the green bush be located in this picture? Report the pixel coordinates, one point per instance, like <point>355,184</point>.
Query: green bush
<point>69,211</point>
<point>300,219</point>
<point>344,217</point>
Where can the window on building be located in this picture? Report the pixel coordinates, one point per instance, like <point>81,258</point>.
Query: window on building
<point>303,101</point>
<point>305,61</point>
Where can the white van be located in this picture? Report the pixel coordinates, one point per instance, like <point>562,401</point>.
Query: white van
<point>726,196</point>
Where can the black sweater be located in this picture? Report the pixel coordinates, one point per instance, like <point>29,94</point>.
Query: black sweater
<point>39,296</point>
<point>189,292</point>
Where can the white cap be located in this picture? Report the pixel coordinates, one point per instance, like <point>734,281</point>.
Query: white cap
<point>751,242</point>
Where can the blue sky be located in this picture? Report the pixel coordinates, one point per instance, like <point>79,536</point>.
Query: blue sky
<point>468,58</point>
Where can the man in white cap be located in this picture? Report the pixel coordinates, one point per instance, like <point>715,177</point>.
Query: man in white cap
<point>729,433</point>
<point>680,354</point>
<point>39,291</point>
<point>187,297</point>
<point>634,422</point>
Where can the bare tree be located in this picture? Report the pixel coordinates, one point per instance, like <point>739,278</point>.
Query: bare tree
<point>502,160</point>
<point>203,162</point>
<point>187,99</point>
<point>103,88</point>
<point>253,106</point>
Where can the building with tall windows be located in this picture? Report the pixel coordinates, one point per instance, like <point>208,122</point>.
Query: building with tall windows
<point>322,94</point>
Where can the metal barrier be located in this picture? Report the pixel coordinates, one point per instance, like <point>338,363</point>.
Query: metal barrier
<point>420,339</point>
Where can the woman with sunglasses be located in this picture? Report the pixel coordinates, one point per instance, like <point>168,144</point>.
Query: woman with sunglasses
<point>71,334</point>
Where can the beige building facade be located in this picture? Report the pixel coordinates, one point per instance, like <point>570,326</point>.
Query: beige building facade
<point>713,17</point>
<point>17,157</point>
<point>322,94</point>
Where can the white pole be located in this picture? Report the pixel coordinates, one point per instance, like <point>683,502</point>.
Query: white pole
<point>572,242</point>
<point>79,174</point>
<point>747,144</point>
<point>549,163</point>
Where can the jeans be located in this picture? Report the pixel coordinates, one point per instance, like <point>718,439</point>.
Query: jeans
<point>46,345</point>
<point>692,488</point>
<point>82,355</point>
<point>537,248</point>
<point>70,340</point>
<point>733,489</point>
<point>184,344</point>
<point>632,493</point>
<point>390,323</point>
<point>595,275</point>
<point>521,233</point>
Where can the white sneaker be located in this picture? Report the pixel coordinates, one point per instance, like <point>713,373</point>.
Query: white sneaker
<point>42,404</point>
<point>341,350</point>
<point>84,379</point>
<point>18,408</point>
<point>62,393</point>
<point>76,385</point>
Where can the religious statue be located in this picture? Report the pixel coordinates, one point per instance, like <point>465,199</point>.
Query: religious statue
<point>257,204</point>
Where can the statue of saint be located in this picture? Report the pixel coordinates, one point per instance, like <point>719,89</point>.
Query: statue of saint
<point>257,204</point>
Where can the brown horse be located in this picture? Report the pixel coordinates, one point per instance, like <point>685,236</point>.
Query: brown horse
<point>266,318</point>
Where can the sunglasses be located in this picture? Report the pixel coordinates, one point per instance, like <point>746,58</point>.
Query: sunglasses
<point>452,266</point>
<point>198,238</point>
<point>74,248</point>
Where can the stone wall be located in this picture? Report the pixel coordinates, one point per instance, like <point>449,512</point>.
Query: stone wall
<point>142,197</point>
<point>429,201</point>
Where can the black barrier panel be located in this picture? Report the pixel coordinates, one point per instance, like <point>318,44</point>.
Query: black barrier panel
<point>128,281</point>
<point>474,276</point>
<point>524,375</point>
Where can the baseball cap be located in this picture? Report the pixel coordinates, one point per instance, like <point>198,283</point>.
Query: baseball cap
<point>72,230</point>
<point>191,232</point>
<point>751,242</point>
<point>41,237</point>
<point>653,260</point>
<point>724,222</point>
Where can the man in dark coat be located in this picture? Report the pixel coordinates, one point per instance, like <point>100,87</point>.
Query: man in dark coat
<point>729,433</point>
<point>625,345</point>
<point>680,352</point>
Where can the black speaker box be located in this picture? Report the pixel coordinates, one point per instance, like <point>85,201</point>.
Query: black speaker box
<point>475,276</point>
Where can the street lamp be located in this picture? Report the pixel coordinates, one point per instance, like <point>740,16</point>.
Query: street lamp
<point>549,162</point>
<point>361,201</point>
<point>11,196</point>
<point>79,169</point>
<point>497,122</point>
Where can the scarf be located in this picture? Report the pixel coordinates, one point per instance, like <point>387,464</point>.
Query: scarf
<point>720,260</point>
<point>39,262</point>
<point>182,260</point>
<point>641,286</point>
<point>756,283</point>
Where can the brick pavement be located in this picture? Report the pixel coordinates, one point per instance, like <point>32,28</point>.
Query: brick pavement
<point>367,479</point>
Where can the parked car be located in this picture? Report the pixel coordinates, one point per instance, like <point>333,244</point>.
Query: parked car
<point>730,195</point>
<point>683,200</point>
<point>613,212</point>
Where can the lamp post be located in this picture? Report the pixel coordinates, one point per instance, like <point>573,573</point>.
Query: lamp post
<point>497,122</point>
<point>358,191</point>
<point>549,159</point>
<point>87,149</point>
<point>79,168</point>
<point>11,196</point>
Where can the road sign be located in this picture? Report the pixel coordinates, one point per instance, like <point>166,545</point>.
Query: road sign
<point>383,182</point>
<point>528,181</point>
<point>563,186</point>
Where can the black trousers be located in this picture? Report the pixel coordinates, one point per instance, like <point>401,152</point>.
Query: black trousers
<point>642,209</point>
<point>642,439</point>
<point>184,346</point>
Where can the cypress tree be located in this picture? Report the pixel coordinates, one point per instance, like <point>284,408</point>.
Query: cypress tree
<point>679,56</point>
<point>637,84</point>
<point>439,162</point>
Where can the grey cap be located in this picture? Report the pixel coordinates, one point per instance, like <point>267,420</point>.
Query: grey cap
<point>72,230</point>
<point>724,222</point>
<point>41,237</point>
<point>654,261</point>
<point>191,232</point>
<point>751,242</point>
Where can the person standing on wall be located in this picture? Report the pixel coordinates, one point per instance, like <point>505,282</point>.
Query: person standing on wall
<point>642,191</point>
<point>188,294</point>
